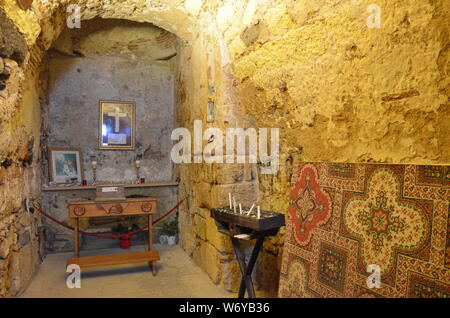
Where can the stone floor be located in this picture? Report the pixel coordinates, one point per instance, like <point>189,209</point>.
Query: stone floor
<point>178,277</point>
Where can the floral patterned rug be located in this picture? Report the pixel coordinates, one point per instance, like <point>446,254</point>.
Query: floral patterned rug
<point>350,224</point>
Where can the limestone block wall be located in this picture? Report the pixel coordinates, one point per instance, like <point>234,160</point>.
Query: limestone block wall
<point>20,232</point>
<point>207,185</point>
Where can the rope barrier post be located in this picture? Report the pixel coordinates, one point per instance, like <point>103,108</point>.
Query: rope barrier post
<point>150,242</point>
<point>76,238</point>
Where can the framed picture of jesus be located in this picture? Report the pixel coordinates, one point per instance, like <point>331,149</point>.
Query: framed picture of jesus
<point>117,125</point>
<point>65,165</point>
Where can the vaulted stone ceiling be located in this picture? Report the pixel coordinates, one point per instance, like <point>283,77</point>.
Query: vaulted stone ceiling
<point>113,37</point>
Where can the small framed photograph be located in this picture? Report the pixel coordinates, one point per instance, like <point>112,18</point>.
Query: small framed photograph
<point>117,125</point>
<point>66,165</point>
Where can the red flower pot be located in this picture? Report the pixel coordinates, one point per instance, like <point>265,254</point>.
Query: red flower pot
<point>125,242</point>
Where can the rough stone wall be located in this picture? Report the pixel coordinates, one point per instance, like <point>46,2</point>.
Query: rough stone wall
<point>20,236</point>
<point>346,92</point>
<point>207,185</point>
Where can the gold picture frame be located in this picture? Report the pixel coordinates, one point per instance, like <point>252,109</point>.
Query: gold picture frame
<point>66,165</point>
<point>117,125</point>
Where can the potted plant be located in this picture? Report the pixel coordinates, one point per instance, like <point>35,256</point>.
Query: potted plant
<point>125,240</point>
<point>170,228</point>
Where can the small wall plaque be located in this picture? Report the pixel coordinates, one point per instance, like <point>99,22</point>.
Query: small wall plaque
<point>108,193</point>
<point>25,4</point>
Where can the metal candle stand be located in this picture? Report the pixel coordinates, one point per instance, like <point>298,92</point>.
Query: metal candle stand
<point>243,226</point>
<point>137,166</point>
<point>94,172</point>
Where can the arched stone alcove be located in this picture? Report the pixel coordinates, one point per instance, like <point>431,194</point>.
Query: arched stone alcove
<point>39,28</point>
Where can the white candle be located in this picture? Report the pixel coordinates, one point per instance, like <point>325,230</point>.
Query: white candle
<point>94,163</point>
<point>240,208</point>
<point>250,211</point>
<point>259,212</point>
<point>229,196</point>
<point>234,205</point>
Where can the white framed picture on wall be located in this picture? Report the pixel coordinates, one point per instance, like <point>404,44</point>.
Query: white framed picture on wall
<point>66,165</point>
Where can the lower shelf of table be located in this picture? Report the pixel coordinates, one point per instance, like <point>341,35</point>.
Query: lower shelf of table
<point>115,259</point>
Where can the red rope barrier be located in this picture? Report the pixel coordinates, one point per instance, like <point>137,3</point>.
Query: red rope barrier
<point>125,235</point>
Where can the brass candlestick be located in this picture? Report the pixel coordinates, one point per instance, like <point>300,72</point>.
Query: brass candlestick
<point>137,166</point>
<point>94,172</point>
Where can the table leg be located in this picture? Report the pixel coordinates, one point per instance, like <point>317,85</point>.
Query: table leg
<point>76,237</point>
<point>150,242</point>
<point>246,270</point>
<point>251,265</point>
<point>242,266</point>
